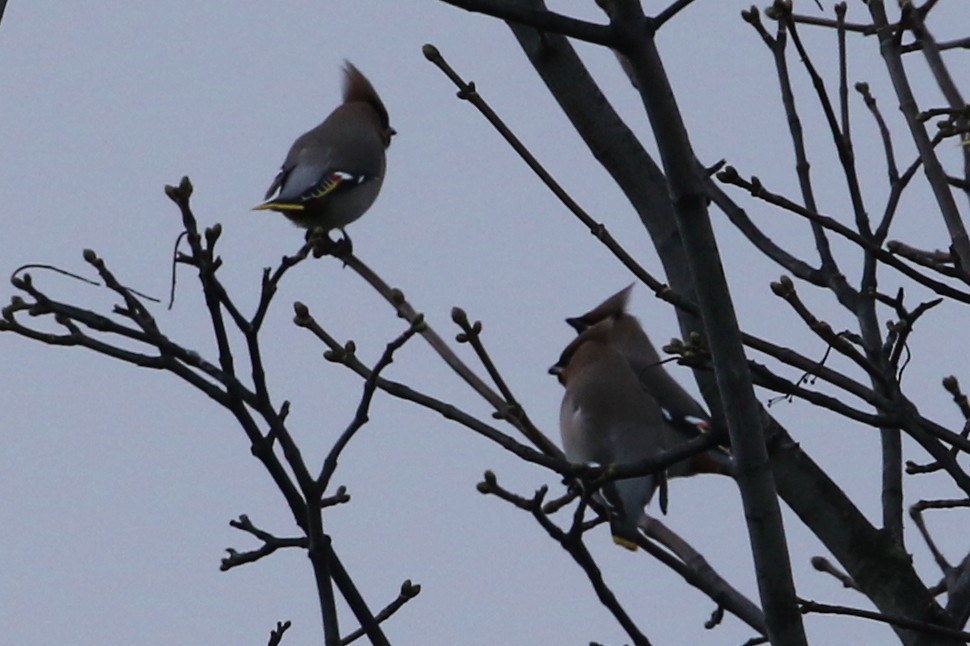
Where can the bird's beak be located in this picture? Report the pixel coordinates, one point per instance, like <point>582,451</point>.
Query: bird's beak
<point>559,372</point>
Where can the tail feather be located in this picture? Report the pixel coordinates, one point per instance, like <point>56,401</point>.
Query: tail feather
<point>624,539</point>
<point>626,499</point>
<point>273,205</point>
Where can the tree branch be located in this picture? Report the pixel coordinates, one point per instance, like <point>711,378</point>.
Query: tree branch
<point>544,20</point>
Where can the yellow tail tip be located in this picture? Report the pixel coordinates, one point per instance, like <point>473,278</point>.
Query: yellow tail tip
<point>278,206</point>
<point>626,544</point>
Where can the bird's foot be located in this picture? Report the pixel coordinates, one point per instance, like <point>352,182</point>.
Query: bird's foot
<point>324,245</point>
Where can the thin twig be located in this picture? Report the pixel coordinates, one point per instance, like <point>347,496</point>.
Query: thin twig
<point>468,92</point>
<point>404,309</point>
<point>730,176</point>
<point>408,591</point>
<point>539,19</point>
<point>901,622</point>
<point>822,564</point>
<point>669,12</point>
<point>361,416</point>
<point>271,543</point>
<point>276,635</point>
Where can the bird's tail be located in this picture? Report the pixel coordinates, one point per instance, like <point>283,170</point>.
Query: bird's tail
<point>627,499</point>
<point>273,205</point>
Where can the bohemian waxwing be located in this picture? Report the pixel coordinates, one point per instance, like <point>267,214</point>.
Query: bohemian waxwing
<point>607,418</point>
<point>684,416</point>
<point>334,172</point>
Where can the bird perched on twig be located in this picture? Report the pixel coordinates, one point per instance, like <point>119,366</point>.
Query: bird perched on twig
<point>607,418</point>
<point>684,418</point>
<point>333,173</point>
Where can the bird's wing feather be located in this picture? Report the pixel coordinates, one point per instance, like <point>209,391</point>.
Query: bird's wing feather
<point>331,183</point>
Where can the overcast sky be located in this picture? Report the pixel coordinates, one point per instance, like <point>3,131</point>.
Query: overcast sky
<point>119,483</point>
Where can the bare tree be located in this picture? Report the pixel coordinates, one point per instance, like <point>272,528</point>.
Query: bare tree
<point>672,199</point>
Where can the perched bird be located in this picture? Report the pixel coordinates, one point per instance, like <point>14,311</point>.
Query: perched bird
<point>684,417</point>
<point>334,172</point>
<point>607,418</point>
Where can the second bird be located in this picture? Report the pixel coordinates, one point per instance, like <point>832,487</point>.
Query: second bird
<point>333,173</point>
<point>684,418</point>
<point>607,418</point>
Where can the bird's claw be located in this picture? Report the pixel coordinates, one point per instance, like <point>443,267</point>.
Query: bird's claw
<point>324,245</point>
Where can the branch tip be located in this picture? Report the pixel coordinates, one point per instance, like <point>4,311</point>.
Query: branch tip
<point>431,52</point>
<point>302,314</point>
<point>181,193</point>
<point>779,10</point>
<point>951,385</point>
<point>751,16</point>
<point>784,287</point>
<point>410,590</point>
<point>728,175</point>
<point>212,233</point>
<point>488,484</point>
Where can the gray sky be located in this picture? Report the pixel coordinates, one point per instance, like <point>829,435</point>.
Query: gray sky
<point>119,483</point>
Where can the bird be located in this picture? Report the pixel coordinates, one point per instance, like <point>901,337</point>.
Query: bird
<point>333,173</point>
<point>606,418</point>
<point>684,417</point>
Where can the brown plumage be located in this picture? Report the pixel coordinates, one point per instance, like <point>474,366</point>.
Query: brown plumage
<point>685,418</point>
<point>607,418</point>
